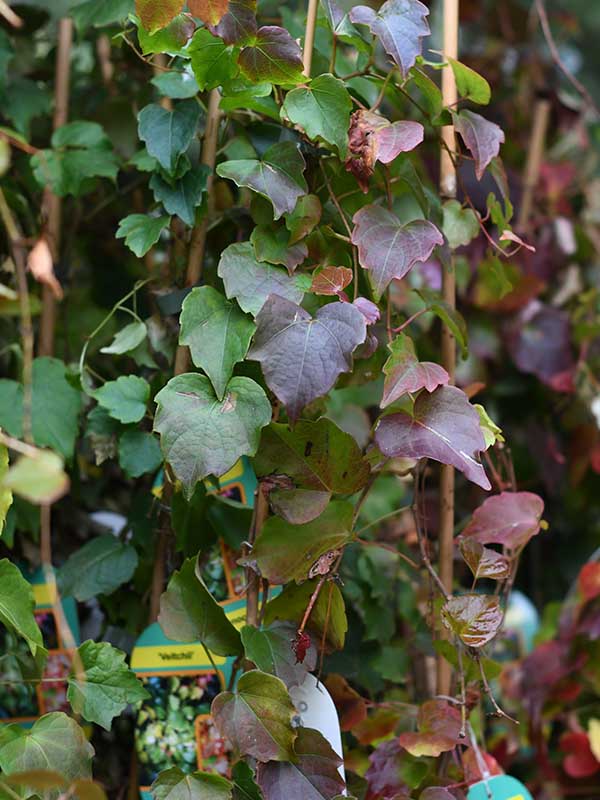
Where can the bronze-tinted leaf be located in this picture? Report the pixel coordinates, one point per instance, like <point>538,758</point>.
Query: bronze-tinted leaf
<point>405,373</point>
<point>474,618</point>
<point>331,280</point>
<point>239,23</point>
<point>438,726</point>
<point>156,14</point>
<point>211,12</point>
<point>273,56</point>
<point>483,562</point>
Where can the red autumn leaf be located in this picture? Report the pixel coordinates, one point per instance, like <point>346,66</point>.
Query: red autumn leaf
<point>300,646</point>
<point>331,280</point>
<point>351,706</point>
<point>589,580</point>
<point>508,518</point>
<point>579,761</point>
<point>438,732</point>
<point>472,768</point>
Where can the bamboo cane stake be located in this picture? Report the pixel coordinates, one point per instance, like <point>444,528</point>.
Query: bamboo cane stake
<point>535,153</point>
<point>309,37</point>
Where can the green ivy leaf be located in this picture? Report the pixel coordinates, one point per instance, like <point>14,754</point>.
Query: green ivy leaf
<point>184,195</point>
<point>173,784</point>
<point>171,40</point>
<point>470,84</point>
<point>139,453</point>
<point>271,650</point>
<point>107,686</point>
<point>141,232</point>
<point>285,552</point>
<point>176,85</point>
<point>167,134</point>
<point>251,281</point>
<point>99,567</point>
<point>17,605</point>
<point>279,176</point>
<point>127,339</point>
<point>54,742</point>
<point>201,435</point>
<point>125,398</point>
<point>217,333</point>
<point>272,55</point>
<point>80,151</point>
<point>449,316</point>
<point>322,109</point>
<point>6,496</point>
<point>272,243</point>
<point>460,225</point>
<point>305,216</point>
<point>189,613</point>
<point>38,478</point>
<point>100,13</point>
<point>211,59</point>
<point>257,719</point>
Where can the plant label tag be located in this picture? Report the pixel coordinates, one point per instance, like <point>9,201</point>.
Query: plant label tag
<point>499,787</point>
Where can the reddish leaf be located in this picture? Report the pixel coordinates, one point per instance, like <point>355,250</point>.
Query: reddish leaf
<point>388,248</point>
<point>350,705</point>
<point>436,793</point>
<point>509,519</point>
<point>379,724</point>
<point>302,356</point>
<point>589,580</point>
<point>400,25</point>
<point>373,138</point>
<point>483,562</point>
<point>444,426</point>
<point>300,646</point>
<point>210,12</point>
<point>579,762</point>
<point>438,726</point>
<point>474,618</point>
<point>239,23</point>
<point>405,373</point>
<point>272,55</point>
<point>368,309</point>
<point>472,768</point>
<point>313,774</point>
<point>156,14</point>
<point>383,775</point>
<point>482,137</point>
<point>331,280</point>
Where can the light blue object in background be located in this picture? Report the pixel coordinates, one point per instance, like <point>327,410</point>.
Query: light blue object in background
<point>499,787</point>
<point>522,621</point>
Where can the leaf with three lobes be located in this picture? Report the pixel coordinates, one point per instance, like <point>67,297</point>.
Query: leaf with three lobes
<point>279,176</point>
<point>54,742</point>
<point>272,55</point>
<point>217,333</point>
<point>285,552</point>
<point>271,650</point>
<point>141,232</point>
<point>444,426</point>
<point>406,374</point>
<point>174,784</point>
<point>323,109</point>
<point>184,195</point>
<point>482,137</point>
<point>251,281</point>
<point>202,436</point>
<point>212,61</point>
<point>399,25</point>
<point>508,518</point>
<point>125,399</point>
<point>168,133</point>
<point>302,356</point>
<point>484,562</point>
<point>438,726</point>
<point>16,606</point>
<point>474,618</point>
<point>313,774</point>
<point>189,613</point>
<point>388,248</point>
<point>257,719</point>
<point>107,685</point>
<point>100,566</point>
<point>327,620</point>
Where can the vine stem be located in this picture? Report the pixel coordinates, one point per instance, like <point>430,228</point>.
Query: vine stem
<point>448,190</point>
<point>200,231</point>
<point>261,511</point>
<point>52,204</point>
<point>309,36</point>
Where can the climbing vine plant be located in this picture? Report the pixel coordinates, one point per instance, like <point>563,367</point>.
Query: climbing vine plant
<point>287,240</point>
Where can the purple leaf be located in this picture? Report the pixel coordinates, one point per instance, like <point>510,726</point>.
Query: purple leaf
<point>302,356</point>
<point>368,309</point>
<point>482,137</point>
<point>239,23</point>
<point>400,25</point>
<point>383,776</point>
<point>444,426</point>
<point>272,55</point>
<point>405,373</point>
<point>483,562</point>
<point>313,775</point>
<point>509,519</point>
<point>389,249</point>
<point>279,176</point>
<point>474,618</point>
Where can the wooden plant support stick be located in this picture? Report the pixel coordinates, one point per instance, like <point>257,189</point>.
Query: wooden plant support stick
<point>261,511</point>
<point>309,37</point>
<point>448,190</point>
<point>52,203</point>
<point>199,233</point>
<point>535,153</point>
